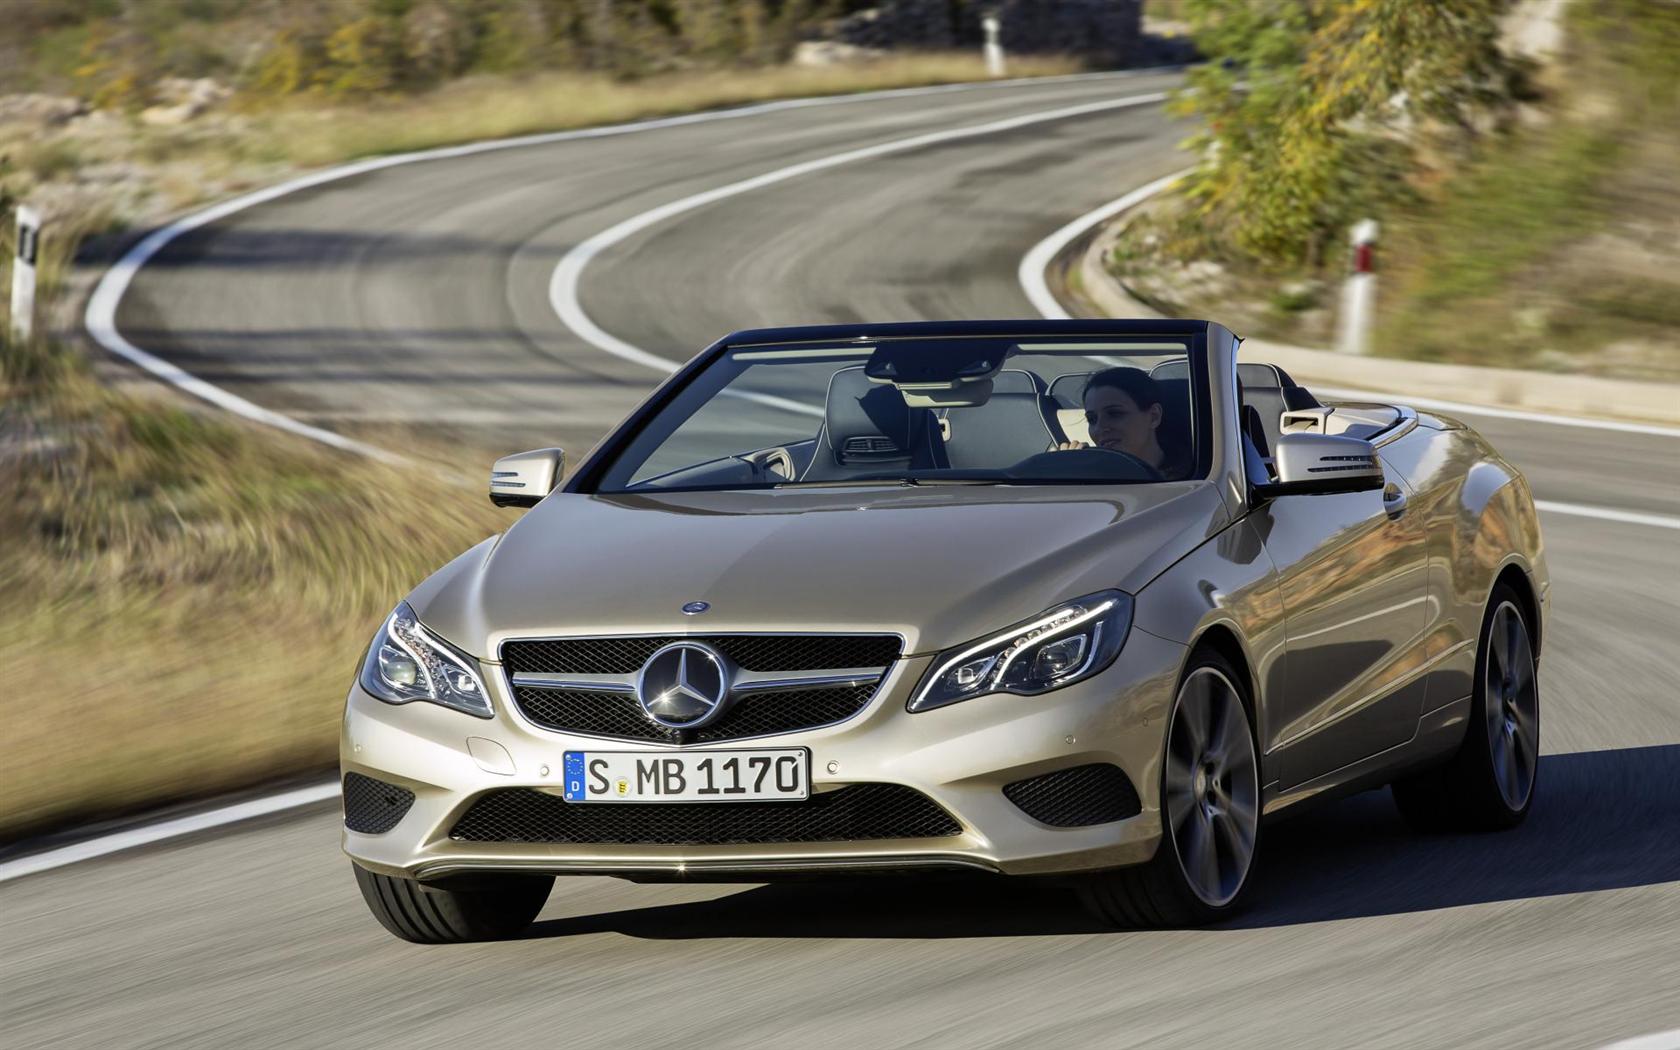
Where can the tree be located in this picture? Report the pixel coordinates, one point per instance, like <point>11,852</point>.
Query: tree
<point>1304,102</point>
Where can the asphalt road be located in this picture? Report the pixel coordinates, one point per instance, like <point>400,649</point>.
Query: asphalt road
<point>418,298</point>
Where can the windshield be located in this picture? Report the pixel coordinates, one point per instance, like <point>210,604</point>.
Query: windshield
<point>924,411</point>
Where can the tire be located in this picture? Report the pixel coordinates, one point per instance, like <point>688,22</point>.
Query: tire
<point>1489,783</point>
<point>1210,812</point>
<point>425,914</point>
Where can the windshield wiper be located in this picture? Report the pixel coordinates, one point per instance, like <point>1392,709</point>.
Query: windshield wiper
<point>891,479</point>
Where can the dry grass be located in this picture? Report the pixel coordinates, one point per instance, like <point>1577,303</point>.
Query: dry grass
<point>497,108</point>
<point>186,596</point>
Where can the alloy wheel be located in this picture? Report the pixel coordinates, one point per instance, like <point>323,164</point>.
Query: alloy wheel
<point>1512,706</point>
<point>1212,787</point>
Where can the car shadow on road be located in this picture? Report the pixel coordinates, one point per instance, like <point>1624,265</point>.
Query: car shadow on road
<point>1603,820</point>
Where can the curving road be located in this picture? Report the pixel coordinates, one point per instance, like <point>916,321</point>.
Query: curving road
<point>417,299</point>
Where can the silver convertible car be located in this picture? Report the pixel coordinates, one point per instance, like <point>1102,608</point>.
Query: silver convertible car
<point>1083,599</point>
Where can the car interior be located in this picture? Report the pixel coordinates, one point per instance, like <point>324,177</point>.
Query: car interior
<point>870,429</point>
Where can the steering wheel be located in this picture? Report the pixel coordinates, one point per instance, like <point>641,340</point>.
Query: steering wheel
<point>1095,463</point>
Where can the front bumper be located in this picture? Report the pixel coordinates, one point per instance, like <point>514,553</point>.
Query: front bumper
<point>960,756</point>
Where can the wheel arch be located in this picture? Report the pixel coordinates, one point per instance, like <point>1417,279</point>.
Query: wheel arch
<point>1517,578</point>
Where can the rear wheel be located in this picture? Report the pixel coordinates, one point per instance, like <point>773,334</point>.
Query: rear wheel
<point>496,908</point>
<point>1489,784</point>
<point>1210,812</point>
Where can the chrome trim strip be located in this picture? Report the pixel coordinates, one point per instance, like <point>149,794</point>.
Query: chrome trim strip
<point>787,681</point>
<point>596,683</point>
<point>441,868</point>
<point>686,632</point>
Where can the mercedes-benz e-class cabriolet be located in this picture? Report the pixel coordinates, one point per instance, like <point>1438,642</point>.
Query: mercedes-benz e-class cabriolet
<point>1083,599</point>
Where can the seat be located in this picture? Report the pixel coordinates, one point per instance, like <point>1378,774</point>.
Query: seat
<point>868,429</point>
<point>1270,392</point>
<point>1014,423</point>
<point>1067,393</point>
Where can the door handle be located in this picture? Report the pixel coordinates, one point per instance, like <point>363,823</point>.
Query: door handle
<point>1394,501</point>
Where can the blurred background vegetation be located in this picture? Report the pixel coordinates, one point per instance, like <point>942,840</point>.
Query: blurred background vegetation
<point>115,52</point>
<point>1519,156</point>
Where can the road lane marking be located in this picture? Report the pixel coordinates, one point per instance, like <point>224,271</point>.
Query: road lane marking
<point>100,317</point>
<point>133,838</point>
<point>1034,264</point>
<point>568,273</point>
<point>1669,1040</point>
<point>1626,517</point>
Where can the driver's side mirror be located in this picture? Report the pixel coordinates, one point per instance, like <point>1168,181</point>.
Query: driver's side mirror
<point>523,479</point>
<point>1319,464</point>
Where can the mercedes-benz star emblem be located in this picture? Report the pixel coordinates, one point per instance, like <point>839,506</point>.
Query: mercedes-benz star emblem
<point>683,685</point>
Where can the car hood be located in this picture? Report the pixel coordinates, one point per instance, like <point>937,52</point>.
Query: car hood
<point>937,565</point>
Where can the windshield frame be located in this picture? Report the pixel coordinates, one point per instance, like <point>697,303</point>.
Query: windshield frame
<point>606,453</point>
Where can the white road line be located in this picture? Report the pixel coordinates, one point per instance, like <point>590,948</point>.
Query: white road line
<point>100,318</point>
<point>1669,1040</point>
<point>568,273</point>
<point>1627,517</point>
<point>1034,264</point>
<point>168,829</point>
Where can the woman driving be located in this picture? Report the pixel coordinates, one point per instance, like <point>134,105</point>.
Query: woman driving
<point>1123,409</point>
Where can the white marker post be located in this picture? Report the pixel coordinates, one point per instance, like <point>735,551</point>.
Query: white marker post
<point>994,49</point>
<point>1359,293</point>
<point>23,273</point>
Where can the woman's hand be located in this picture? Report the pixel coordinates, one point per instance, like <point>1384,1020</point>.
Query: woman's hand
<point>1070,446</point>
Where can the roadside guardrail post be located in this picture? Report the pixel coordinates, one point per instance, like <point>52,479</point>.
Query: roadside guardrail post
<point>23,272</point>
<point>1359,292</point>
<point>994,48</point>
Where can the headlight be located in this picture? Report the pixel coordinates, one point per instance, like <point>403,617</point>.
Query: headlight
<point>1074,640</point>
<point>406,662</point>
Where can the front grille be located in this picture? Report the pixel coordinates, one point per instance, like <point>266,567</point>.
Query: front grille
<point>1077,797</point>
<point>752,714</point>
<point>612,714</point>
<point>857,813</point>
<point>373,807</point>
<point>753,652</point>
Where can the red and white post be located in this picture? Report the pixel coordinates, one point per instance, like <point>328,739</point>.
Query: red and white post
<point>1359,292</point>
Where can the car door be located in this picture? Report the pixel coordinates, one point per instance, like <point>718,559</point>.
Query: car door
<point>1353,574</point>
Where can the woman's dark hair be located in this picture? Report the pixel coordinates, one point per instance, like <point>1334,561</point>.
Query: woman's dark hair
<point>1134,382</point>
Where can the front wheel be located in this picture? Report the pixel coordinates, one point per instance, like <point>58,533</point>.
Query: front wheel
<point>1210,812</point>
<point>499,907</point>
<point>1489,784</point>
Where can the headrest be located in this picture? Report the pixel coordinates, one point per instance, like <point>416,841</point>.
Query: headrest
<point>867,421</point>
<point>1068,391</point>
<point>1016,381</point>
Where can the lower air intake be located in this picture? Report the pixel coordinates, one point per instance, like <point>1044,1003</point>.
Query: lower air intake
<point>373,807</point>
<point>858,813</point>
<point>1077,797</point>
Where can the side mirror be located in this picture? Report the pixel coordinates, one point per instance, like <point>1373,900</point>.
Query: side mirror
<point>1318,464</point>
<point>523,479</point>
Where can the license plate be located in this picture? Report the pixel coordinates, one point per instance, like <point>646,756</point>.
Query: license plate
<point>702,776</point>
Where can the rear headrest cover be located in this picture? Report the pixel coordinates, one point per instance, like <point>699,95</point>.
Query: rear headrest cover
<point>1015,381</point>
<point>1068,391</point>
<point>859,408</point>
